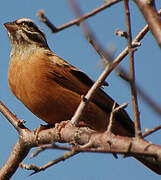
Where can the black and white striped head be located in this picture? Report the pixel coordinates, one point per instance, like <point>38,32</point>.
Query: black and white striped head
<point>25,32</point>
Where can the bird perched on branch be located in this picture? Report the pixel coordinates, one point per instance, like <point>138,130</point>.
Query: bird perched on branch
<point>51,88</point>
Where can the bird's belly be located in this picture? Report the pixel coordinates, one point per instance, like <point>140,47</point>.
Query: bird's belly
<point>44,98</point>
<point>52,103</point>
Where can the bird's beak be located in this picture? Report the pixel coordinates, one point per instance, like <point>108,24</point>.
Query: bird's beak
<point>10,26</point>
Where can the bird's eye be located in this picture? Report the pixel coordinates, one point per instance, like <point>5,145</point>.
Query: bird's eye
<point>30,24</point>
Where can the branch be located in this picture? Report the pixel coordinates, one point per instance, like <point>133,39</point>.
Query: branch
<point>49,146</point>
<point>77,21</point>
<point>99,142</point>
<point>16,123</point>
<point>132,71</point>
<point>18,154</point>
<point>37,169</point>
<point>147,8</point>
<point>148,132</point>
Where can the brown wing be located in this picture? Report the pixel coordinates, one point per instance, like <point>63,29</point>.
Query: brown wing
<point>77,81</point>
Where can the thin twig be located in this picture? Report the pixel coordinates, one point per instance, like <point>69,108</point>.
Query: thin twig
<point>114,110</point>
<point>49,164</point>
<point>123,106</point>
<point>18,124</point>
<point>132,72</point>
<point>77,21</point>
<point>147,133</point>
<point>40,149</point>
<point>49,146</point>
<point>111,119</point>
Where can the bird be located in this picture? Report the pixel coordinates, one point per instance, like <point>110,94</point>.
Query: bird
<point>52,89</point>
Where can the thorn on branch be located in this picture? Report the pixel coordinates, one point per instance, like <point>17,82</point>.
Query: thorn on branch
<point>115,155</point>
<point>128,150</point>
<point>109,143</point>
<point>21,122</point>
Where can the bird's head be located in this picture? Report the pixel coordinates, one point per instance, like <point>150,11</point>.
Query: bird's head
<point>25,33</point>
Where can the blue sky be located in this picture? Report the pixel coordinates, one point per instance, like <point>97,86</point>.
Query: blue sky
<point>71,45</point>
